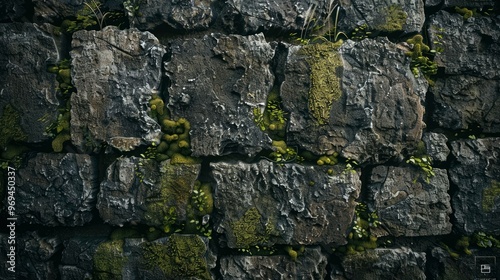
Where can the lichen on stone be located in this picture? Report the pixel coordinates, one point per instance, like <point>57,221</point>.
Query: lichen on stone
<point>325,63</point>
<point>393,19</point>
<point>109,260</point>
<point>10,129</point>
<point>490,195</point>
<point>181,257</point>
<point>250,231</point>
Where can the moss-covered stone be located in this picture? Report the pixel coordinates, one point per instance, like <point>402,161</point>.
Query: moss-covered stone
<point>10,130</point>
<point>394,19</point>
<point>490,195</point>
<point>181,257</point>
<point>326,64</point>
<point>109,260</point>
<point>249,230</point>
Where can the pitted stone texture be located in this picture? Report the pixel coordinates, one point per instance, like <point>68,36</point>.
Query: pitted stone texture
<point>476,172</point>
<point>137,190</point>
<point>469,48</point>
<point>57,190</point>
<point>311,264</point>
<point>54,10</point>
<point>265,203</point>
<point>40,255</point>
<point>407,205</point>
<point>262,15</point>
<point>379,114</point>
<point>25,52</point>
<point>467,102</point>
<point>216,82</point>
<point>179,14</point>
<point>114,72</point>
<point>385,264</point>
<point>435,144</point>
<point>377,14</point>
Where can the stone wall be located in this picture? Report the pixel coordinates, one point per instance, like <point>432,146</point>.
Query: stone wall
<point>211,139</point>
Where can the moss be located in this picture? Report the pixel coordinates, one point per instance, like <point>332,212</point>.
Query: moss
<point>182,257</point>
<point>157,105</point>
<point>273,119</point>
<point>122,233</point>
<point>10,152</point>
<point>178,158</point>
<point>490,195</point>
<point>250,231</point>
<point>284,154</point>
<point>393,19</point>
<point>10,130</point>
<point>421,57</point>
<point>57,143</point>
<point>202,198</point>
<point>109,260</point>
<point>325,63</point>
<point>292,253</point>
<point>466,13</point>
<point>463,245</point>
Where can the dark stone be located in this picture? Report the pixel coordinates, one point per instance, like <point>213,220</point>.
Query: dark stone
<point>435,144</point>
<point>179,14</point>
<point>309,264</point>
<point>137,190</point>
<point>385,16</point>
<point>57,190</point>
<point>124,67</point>
<point>470,47</point>
<point>25,84</point>
<point>266,203</point>
<point>11,10</point>
<point>476,172</point>
<point>385,264</point>
<point>378,114</point>
<point>409,206</point>
<point>215,84</point>
<point>37,256</point>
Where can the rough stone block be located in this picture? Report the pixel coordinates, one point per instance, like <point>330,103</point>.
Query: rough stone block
<point>57,190</point>
<point>266,203</point>
<point>115,72</point>
<point>409,206</point>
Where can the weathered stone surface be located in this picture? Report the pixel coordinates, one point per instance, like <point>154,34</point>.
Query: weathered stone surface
<point>215,84</point>
<point>57,190</point>
<point>265,203</point>
<point>470,48</point>
<point>407,205</point>
<point>383,15</point>
<point>467,102</point>
<point>37,256</point>
<point>262,15</point>
<point>432,3</point>
<point>435,144</point>
<point>144,191</point>
<point>385,264</point>
<point>25,85</point>
<point>181,14</point>
<point>310,264</point>
<point>378,114</point>
<point>124,66</point>
<point>476,172</point>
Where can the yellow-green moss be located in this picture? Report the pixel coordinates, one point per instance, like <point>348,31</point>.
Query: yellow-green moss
<point>490,195</point>
<point>325,63</point>
<point>109,260</point>
<point>57,143</point>
<point>466,13</point>
<point>182,257</point>
<point>249,229</point>
<point>394,19</point>
<point>10,129</point>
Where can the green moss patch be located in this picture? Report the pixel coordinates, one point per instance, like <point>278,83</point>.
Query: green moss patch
<point>490,195</point>
<point>394,19</point>
<point>10,129</point>
<point>182,257</point>
<point>325,63</point>
<point>109,260</point>
<point>250,230</point>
